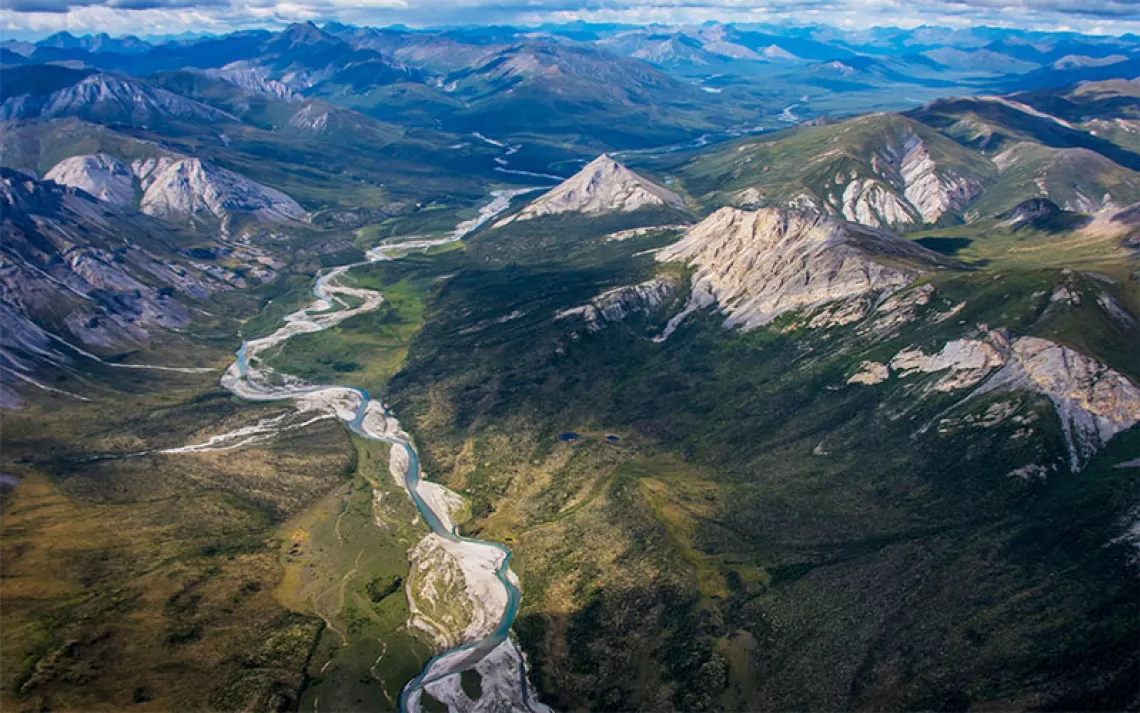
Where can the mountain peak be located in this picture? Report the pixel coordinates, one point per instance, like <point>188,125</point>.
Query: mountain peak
<point>60,40</point>
<point>304,33</point>
<point>602,186</point>
<point>757,265</point>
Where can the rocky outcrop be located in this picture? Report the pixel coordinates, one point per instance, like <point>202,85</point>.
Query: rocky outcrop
<point>603,186</point>
<point>757,265</point>
<point>78,271</point>
<point>311,118</point>
<point>1029,212</point>
<point>619,303</point>
<point>869,201</point>
<point>253,79</point>
<point>870,373</point>
<point>905,186</point>
<point>103,176</point>
<point>932,189</point>
<point>109,98</point>
<point>965,361</point>
<point>175,187</point>
<point>188,187</point>
<point>1092,401</point>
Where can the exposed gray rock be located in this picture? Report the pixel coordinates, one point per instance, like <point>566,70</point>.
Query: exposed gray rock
<point>619,303</point>
<point>187,187</point>
<point>78,271</point>
<point>102,175</point>
<point>965,361</point>
<point>253,79</point>
<point>756,265</point>
<point>903,184</point>
<point>111,98</point>
<point>603,186</point>
<point>1093,401</point>
<point>870,373</point>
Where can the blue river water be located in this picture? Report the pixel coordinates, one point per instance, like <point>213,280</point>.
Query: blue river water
<point>475,650</point>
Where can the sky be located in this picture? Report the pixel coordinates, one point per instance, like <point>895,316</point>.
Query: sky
<point>28,19</point>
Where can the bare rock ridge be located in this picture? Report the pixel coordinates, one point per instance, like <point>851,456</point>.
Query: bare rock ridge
<point>174,187</point>
<point>253,79</point>
<point>878,170</point>
<point>78,271</point>
<point>103,176</point>
<point>617,304</point>
<point>111,98</point>
<point>188,186</point>
<point>1092,401</point>
<point>757,265</point>
<point>602,186</point>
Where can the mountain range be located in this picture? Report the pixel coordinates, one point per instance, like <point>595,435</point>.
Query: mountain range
<point>794,368</point>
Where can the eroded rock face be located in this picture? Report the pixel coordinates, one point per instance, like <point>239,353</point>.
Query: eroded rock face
<point>253,79</point>
<point>756,265</point>
<point>603,186</point>
<point>99,275</point>
<point>617,304</point>
<point>186,187</point>
<point>312,118</point>
<point>111,99</point>
<point>966,361</point>
<point>870,373</point>
<point>932,189</point>
<point>102,175</point>
<point>903,185</point>
<point>174,187</point>
<point>1093,401</point>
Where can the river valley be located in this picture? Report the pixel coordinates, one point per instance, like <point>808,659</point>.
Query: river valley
<point>483,567</point>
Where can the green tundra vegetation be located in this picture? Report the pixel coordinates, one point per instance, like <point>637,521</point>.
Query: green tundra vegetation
<point>759,533</point>
<point>732,525</point>
<point>261,578</point>
<point>735,527</point>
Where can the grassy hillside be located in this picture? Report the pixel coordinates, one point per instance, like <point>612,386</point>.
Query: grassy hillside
<point>756,533</point>
<point>817,161</point>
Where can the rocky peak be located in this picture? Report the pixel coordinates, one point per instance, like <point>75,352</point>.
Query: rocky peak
<point>111,98</point>
<point>602,186</point>
<point>102,175</point>
<point>300,34</point>
<point>186,187</point>
<point>756,265</point>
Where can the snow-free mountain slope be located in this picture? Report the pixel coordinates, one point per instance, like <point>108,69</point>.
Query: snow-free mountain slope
<point>97,275</point>
<point>602,186</point>
<point>757,265</point>
<point>877,170</point>
<point>188,187</point>
<point>108,98</point>
<point>102,175</point>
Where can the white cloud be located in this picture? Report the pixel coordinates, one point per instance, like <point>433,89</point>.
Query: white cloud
<point>152,17</point>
